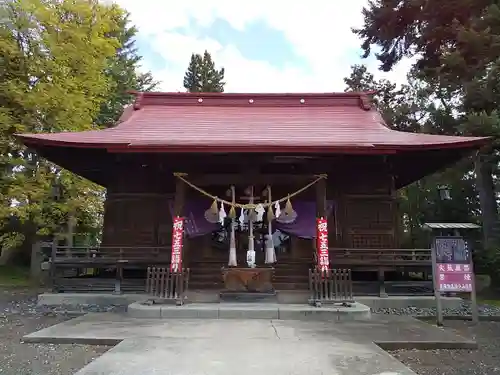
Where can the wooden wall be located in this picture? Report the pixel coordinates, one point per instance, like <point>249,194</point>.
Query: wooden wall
<point>365,215</point>
<point>367,212</point>
<point>136,220</point>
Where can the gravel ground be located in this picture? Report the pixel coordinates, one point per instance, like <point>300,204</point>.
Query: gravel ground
<point>484,361</point>
<point>463,310</point>
<point>20,316</point>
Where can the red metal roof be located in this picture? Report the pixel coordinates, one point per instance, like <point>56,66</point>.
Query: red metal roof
<point>215,122</point>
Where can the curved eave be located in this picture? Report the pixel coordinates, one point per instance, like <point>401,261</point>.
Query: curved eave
<point>33,140</point>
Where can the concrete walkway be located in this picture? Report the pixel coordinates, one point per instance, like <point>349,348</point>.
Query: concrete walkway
<point>243,355</point>
<point>254,346</point>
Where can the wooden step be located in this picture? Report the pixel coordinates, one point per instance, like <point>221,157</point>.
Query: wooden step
<point>291,278</point>
<point>292,270</point>
<point>290,286</point>
<point>226,296</point>
<point>205,285</point>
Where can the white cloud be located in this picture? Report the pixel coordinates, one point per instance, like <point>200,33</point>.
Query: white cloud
<point>318,30</point>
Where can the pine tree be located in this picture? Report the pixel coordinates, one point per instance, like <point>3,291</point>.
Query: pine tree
<point>202,76</point>
<point>192,78</point>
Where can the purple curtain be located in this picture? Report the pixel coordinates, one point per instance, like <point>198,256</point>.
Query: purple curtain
<point>304,225</point>
<point>194,214</point>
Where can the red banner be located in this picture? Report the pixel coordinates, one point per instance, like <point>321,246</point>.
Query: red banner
<point>177,237</point>
<point>322,243</point>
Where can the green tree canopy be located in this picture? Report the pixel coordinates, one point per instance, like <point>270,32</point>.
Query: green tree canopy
<point>456,46</point>
<point>55,57</point>
<point>414,107</point>
<point>123,73</point>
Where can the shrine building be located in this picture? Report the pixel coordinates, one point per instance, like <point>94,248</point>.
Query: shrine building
<point>248,172</point>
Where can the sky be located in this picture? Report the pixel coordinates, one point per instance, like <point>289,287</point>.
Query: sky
<point>264,45</point>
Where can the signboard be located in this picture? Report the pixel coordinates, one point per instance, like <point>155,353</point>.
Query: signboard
<point>452,250</point>
<point>452,271</point>
<point>453,266</point>
<point>322,243</point>
<point>454,277</point>
<point>177,238</point>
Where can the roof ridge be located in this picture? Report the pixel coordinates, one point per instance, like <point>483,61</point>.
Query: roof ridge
<point>325,99</point>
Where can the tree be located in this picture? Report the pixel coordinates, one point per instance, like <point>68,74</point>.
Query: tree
<point>456,45</point>
<point>202,76</point>
<point>123,74</point>
<point>413,107</point>
<point>54,55</point>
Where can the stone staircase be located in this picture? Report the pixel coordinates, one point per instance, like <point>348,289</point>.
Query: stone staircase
<point>290,274</point>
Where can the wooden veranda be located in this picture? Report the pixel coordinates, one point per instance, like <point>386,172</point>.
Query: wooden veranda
<point>101,269</point>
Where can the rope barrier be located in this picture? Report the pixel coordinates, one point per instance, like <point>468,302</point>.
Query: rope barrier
<point>181,177</point>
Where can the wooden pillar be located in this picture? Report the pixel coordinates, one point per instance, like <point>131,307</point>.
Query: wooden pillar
<point>342,203</point>
<point>381,281</point>
<point>180,197</point>
<point>36,261</point>
<point>394,207</point>
<point>53,271</point>
<point>321,198</point>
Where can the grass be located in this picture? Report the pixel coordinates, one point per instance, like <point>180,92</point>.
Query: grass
<point>14,276</point>
<point>490,302</point>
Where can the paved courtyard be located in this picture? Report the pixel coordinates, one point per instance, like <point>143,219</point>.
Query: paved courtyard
<point>199,346</point>
<point>225,346</point>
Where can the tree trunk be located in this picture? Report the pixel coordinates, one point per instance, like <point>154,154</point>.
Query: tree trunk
<point>6,255</point>
<point>487,198</point>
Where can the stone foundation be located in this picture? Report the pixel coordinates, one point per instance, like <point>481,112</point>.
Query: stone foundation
<point>282,297</point>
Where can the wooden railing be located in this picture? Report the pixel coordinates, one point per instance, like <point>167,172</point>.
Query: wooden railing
<point>166,285</point>
<point>330,286</point>
<point>380,257</point>
<point>382,261</point>
<point>110,254</point>
<point>100,261</point>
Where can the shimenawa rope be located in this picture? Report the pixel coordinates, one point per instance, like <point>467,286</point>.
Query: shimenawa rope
<point>181,177</point>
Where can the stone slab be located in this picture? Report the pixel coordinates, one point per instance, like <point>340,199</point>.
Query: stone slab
<point>283,297</point>
<point>240,310</point>
<point>247,297</point>
<point>248,311</point>
<point>220,355</point>
<point>387,331</point>
<point>357,312</point>
<point>196,311</point>
<point>144,311</point>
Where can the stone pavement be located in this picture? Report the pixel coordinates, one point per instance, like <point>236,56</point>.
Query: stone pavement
<point>277,347</point>
<point>390,332</point>
<point>244,356</point>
